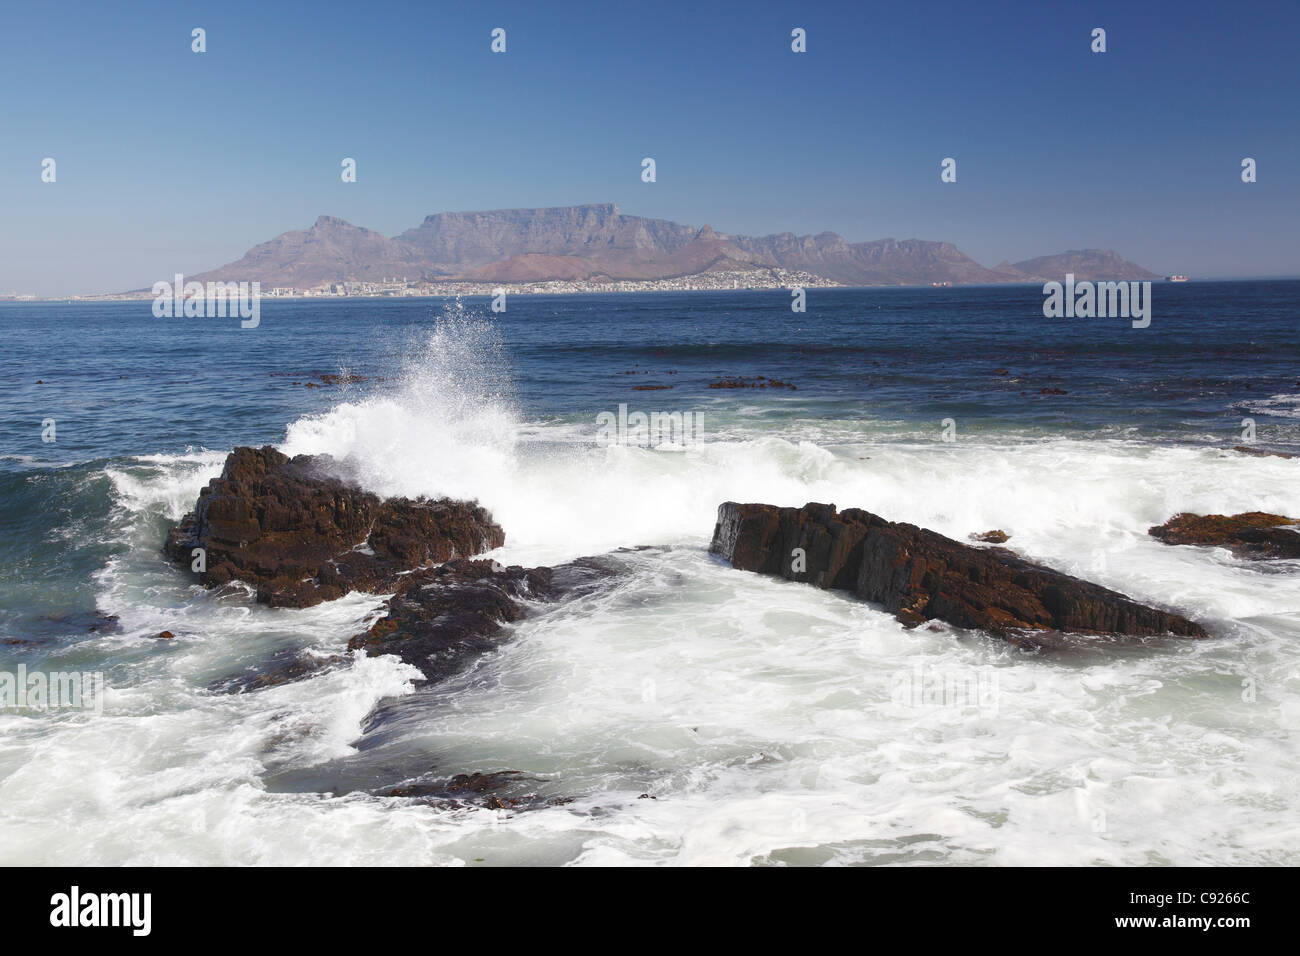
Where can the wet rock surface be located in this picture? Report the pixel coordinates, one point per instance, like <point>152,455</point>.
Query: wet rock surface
<point>300,534</point>
<point>445,616</point>
<point>1261,452</point>
<point>1251,534</point>
<point>921,575</point>
<point>496,790</point>
<point>757,381</point>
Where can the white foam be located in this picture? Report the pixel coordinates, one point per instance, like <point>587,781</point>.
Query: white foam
<point>1283,405</point>
<point>758,713</point>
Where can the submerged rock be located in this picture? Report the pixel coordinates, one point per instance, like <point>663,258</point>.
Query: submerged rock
<point>758,381</point>
<point>283,667</point>
<point>997,536</point>
<point>1252,534</point>
<point>301,534</point>
<point>445,616</point>
<point>921,575</point>
<point>495,790</point>
<point>1260,452</point>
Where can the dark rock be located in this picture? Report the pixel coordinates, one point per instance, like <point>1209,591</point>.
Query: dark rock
<point>330,378</point>
<point>302,535</point>
<point>991,537</point>
<point>458,786</point>
<point>758,381</point>
<point>1252,534</point>
<point>444,616</point>
<point>920,575</point>
<point>325,378</point>
<point>164,635</point>
<point>497,790</point>
<point>1261,452</point>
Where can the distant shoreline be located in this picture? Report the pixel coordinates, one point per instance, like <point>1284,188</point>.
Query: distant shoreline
<point>483,290</point>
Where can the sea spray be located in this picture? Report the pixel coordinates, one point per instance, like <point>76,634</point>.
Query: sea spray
<point>445,426</point>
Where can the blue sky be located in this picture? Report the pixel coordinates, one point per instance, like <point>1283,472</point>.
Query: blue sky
<point>174,161</point>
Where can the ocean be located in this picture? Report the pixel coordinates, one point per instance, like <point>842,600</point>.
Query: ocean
<point>687,713</point>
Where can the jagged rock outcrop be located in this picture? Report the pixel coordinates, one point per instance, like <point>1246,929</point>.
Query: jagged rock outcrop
<point>301,535</point>
<point>1252,534</point>
<point>921,575</point>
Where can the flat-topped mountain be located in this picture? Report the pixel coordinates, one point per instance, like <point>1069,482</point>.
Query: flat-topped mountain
<point>458,239</point>
<point>598,242</point>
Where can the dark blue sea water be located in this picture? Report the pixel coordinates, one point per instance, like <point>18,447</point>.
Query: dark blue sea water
<point>760,714</point>
<point>119,381</point>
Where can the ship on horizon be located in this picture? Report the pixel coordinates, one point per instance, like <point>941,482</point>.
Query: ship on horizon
<point>1177,278</point>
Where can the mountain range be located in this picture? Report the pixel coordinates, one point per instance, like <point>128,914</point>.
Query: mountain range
<point>598,242</point>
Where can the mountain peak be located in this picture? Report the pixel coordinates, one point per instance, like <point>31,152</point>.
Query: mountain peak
<point>331,222</point>
<point>1084,264</point>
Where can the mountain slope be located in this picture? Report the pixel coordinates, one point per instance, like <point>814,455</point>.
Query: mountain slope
<point>882,262</point>
<point>597,241</point>
<point>330,250</point>
<point>1084,264</point>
